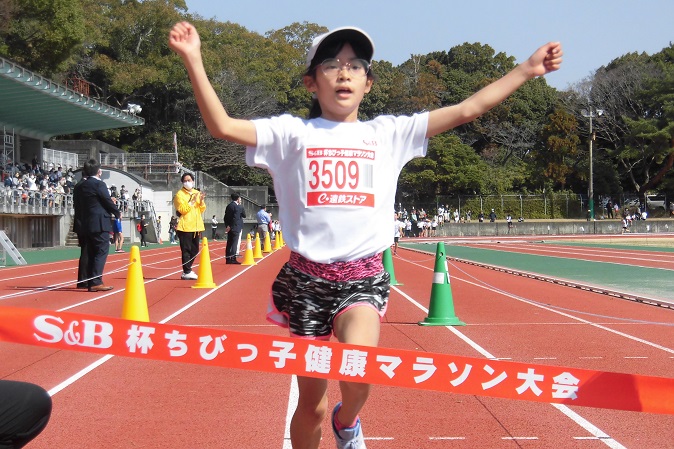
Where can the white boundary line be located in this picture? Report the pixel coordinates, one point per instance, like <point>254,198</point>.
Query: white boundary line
<point>575,417</point>
<point>75,377</point>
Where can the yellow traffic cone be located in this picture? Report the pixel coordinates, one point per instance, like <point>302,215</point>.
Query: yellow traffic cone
<point>280,233</point>
<point>267,243</point>
<point>277,240</point>
<point>135,301</point>
<point>205,279</point>
<point>441,309</point>
<point>257,251</point>
<point>248,258</point>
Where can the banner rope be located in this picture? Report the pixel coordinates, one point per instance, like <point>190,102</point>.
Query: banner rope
<point>337,361</point>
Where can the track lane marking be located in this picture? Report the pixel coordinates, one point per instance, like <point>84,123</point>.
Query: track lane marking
<point>575,417</point>
<point>588,255</point>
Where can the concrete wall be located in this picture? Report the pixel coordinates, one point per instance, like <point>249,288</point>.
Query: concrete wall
<point>558,227</point>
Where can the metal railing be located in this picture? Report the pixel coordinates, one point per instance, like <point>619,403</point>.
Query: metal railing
<point>145,162</point>
<point>59,159</point>
<point>19,201</point>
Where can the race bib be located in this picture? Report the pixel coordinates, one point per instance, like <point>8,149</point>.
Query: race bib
<point>339,177</point>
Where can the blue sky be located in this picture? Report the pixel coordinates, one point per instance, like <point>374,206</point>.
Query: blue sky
<point>592,32</point>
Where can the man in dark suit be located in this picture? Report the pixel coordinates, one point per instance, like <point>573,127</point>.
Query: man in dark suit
<point>97,210</point>
<point>234,215</point>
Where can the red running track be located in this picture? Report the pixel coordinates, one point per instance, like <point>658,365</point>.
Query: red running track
<point>115,402</point>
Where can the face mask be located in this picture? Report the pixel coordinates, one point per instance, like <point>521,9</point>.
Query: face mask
<point>188,185</point>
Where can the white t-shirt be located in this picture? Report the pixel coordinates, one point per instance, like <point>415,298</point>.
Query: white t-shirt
<point>397,227</point>
<point>335,181</point>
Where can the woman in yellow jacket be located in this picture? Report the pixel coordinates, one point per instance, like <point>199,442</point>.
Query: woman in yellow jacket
<point>189,204</point>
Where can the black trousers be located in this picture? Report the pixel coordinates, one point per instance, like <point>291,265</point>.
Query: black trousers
<point>25,409</point>
<point>83,266</point>
<point>232,241</point>
<point>98,247</point>
<point>189,248</point>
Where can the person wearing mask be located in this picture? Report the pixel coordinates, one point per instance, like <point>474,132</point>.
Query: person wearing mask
<point>234,215</point>
<point>189,205</point>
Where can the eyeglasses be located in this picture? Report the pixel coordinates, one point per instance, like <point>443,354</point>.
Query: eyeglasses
<point>357,68</point>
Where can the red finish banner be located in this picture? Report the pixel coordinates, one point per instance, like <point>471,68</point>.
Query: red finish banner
<point>330,360</point>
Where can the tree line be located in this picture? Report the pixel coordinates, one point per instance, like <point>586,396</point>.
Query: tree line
<point>535,141</point>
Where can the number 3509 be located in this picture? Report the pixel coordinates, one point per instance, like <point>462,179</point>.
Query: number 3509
<point>329,174</point>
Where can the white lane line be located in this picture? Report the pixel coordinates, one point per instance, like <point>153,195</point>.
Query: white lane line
<point>75,377</point>
<point>564,314</point>
<point>591,428</point>
<point>467,340</point>
<point>582,422</point>
<point>631,259</point>
<point>292,405</point>
<point>519,438</point>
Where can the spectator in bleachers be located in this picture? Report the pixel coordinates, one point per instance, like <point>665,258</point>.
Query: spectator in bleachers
<point>124,198</point>
<point>137,197</point>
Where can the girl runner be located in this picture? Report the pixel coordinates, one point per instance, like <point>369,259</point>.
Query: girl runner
<point>327,169</point>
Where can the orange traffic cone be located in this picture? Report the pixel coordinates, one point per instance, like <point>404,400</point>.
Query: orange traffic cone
<point>441,309</point>
<point>135,301</point>
<point>248,258</point>
<point>257,250</point>
<point>205,279</point>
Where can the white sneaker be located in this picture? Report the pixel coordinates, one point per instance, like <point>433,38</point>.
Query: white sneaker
<point>191,276</point>
<point>350,437</point>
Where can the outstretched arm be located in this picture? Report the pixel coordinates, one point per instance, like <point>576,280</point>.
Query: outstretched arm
<point>185,41</point>
<point>545,60</point>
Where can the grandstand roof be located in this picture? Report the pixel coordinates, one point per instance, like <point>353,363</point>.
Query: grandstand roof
<point>36,107</point>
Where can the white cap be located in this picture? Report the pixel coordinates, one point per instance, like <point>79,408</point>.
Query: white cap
<point>342,33</point>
